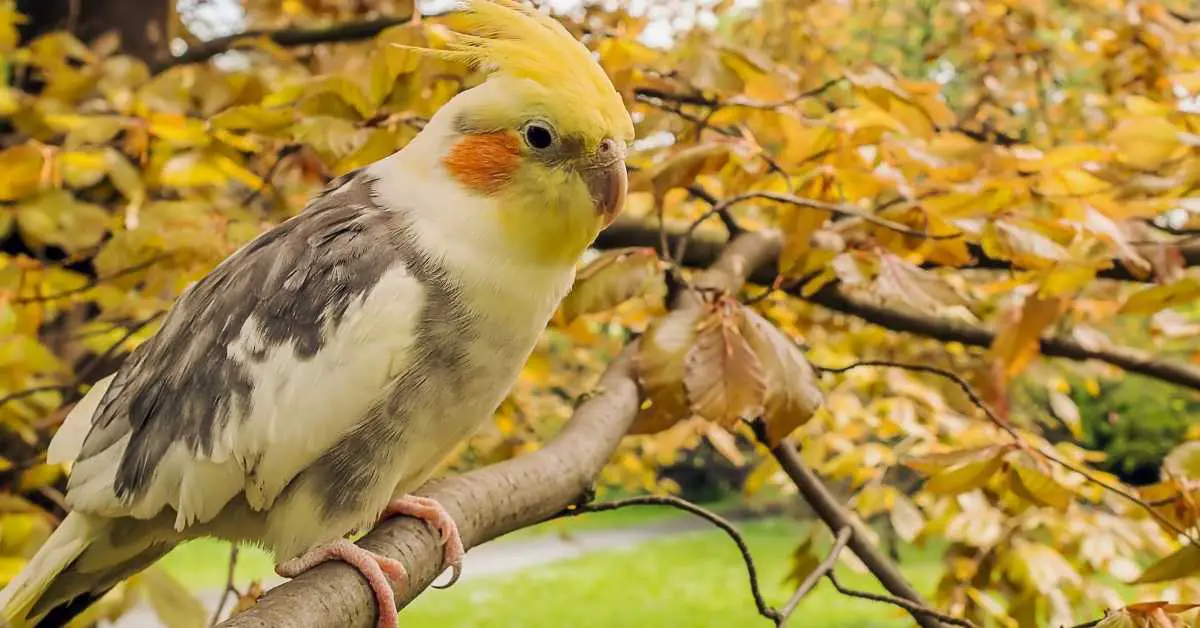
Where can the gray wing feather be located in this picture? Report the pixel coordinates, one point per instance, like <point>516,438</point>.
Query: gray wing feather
<point>296,280</point>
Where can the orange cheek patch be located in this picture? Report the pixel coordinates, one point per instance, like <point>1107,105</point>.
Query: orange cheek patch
<point>484,163</point>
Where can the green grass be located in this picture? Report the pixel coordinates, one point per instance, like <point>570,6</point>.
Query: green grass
<point>203,563</point>
<point>697,580</point>
<point>694,579</point>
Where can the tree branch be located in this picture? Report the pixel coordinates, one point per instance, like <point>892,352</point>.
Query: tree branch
<point>728,528</point>
<point>915,609</point>
<point>837,518</point>
<point>287,37</point>
<point>494,500</point>
<point>635,232</point>
<point>833,298</point>
<point>826,567</point>
<point>703,249</point>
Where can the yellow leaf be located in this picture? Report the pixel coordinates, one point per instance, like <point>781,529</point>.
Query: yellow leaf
<point>724,377</point>
<point>253,118</point>
<point>760,83</point>
<point>58,219</point>
<point>24,170</point>
<point>792,395</point>
<point>377,144</point>
<point>1160,297</point>
<point>906,519</point>
<point>660,359</point>
<point>930,464</point>
<point>611,279</point>
<point>1184,461</point>
<point>1067,412</point>
<point>38,476</point>
<point>1182,563</point>
<point>82,169</point>
<point>902,282</point>
<point>125,177</point>
<point>1039,488</point>
<point>1071,182</point>
<point>1146,142</point>
<point>1018,341</point>
<point>178,130</point>
<point>681,169</point>
<point>963,478</point>
<point>1024,247</point>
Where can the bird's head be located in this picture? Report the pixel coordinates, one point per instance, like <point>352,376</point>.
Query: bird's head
<point>545,135</point>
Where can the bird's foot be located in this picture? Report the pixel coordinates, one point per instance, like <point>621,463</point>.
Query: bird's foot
<point>433,513</point>
<point>380,572</point>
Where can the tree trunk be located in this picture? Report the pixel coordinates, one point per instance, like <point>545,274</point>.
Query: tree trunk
<point>141,24</point>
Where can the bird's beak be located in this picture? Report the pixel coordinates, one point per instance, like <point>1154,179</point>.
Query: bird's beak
<point>608,183</point>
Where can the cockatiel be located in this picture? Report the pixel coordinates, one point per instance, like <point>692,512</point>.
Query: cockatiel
<point>310,382</point>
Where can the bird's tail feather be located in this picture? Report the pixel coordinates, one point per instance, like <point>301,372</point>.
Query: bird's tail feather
<point>67,542</point>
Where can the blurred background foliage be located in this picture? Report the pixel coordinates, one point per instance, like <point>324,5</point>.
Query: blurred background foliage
<point>1030,167</point>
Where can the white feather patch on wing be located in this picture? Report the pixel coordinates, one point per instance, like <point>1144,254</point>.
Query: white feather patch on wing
<point>299,408</point>
<point>68,440</point>
<point>92,482</point>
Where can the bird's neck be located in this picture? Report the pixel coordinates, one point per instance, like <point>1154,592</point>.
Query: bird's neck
<point>459,229</point>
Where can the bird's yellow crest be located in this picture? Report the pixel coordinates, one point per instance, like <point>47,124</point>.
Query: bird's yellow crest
<point>508,38</point>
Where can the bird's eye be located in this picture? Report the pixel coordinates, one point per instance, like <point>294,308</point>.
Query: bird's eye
<point>538,135</point>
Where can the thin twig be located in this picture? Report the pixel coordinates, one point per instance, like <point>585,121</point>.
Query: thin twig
<point>268,179</point>
<point>994,419</point>
<point>760,602</point>
<point>838,208</point>
<point>901,602</point>
<point>29,392</point>
<point>922,368</point>
<point>714,104</point>
<point>92,282</point>
<point>716,208</point>
<point>826,566</point>
<point>229,586</point>
<point>113,348</point>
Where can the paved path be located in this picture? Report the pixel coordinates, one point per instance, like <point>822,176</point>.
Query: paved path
<point>501,557</point>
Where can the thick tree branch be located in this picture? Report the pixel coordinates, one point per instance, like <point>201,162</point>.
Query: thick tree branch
<point>832,297</point>
<point>702,247</point>
<point>703,250</point>
<point>288,37</point>
<point>494,500</point>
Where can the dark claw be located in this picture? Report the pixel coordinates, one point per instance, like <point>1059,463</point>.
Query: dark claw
<point>457,571</point>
